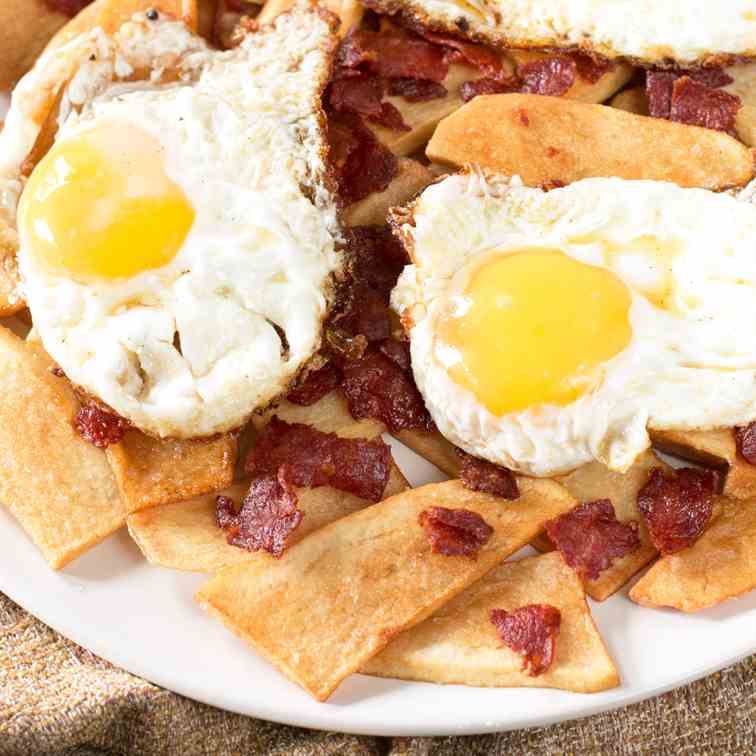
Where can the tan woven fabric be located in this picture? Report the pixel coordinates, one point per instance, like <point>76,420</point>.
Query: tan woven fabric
<point>56,698</point>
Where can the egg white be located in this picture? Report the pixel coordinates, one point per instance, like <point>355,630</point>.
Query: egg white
<point>194,347</point>
<point>651,31</point>
<point>691,361</point>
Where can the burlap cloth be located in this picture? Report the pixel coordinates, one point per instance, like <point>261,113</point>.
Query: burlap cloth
<point>56,698</point>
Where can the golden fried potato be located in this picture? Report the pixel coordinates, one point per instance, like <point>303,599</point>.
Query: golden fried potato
<point>633,100</point>
<point>459,645</point>
<point>59,487</point>
<point>546,138</point>
<point>433,447</point>
<point>412,178</point>
<point>720,565</point>
<point>151,471</point>
<point>364,579</point>
<point>744,86</point>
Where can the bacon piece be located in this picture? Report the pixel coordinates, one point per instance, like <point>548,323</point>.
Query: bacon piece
<point>361,94</point>
<point>362,164</point>
<point>375,386</point>
<point>100,427</point>
<point>313,458</point>
<point>398,352</point>
<point>455,532</point>
<point>551,76</point>
<point>530,631</point>
<point>745,440</point>
<point>393,55</point>
<point>479,475</point>
<point>547,186</point>
<point>591,69</point>
<point>659,86</point>
<point>416,90</point>
<point>269,514</point>
<point>317,384</point>
<point>67,7</point>
<point>696,104</point>
<point>484,86</point>
<point>590,537</point>
<point>481,57</point>
<point>677,508</point>
<point>390,117</point>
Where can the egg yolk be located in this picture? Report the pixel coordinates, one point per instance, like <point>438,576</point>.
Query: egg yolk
<point>101,205</point>
<point>534,327</point>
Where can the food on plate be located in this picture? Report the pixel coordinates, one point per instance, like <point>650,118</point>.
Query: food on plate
<point>715,448</point>
<point>59,487</point>
<point>721,565</point>
<point>150,471</point>
<point>458,644</point>
<point>614,286</point>
<point>367,577</point>
<point>695,32</point>
<point>220,179</point>
<point>595,481</point>
<point>543,139</point>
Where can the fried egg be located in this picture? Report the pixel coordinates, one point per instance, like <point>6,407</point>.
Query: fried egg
<point>549,329</point>
<point>650,31</point>
<point>179,241</point>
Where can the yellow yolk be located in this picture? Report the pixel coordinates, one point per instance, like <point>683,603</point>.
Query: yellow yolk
<point>535,327</point>
<point>101,205</point>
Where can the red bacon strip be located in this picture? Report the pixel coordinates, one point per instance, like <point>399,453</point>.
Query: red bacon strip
<point>269,514</point>
<point>698,105</point>
<point>745,440</point>
<point>486,86</point>
<point>550,76</point>
<point>590,537</point>
<point>67,7</point>
<point>483,58</point>
<point>455,532</point>
<point>591,69</point>
<point>317,384</point>
<point>360,94</point>
<point>375,386</point>
<point>100,427</point>
<point>677,508</point>
<point>479,475</point>
<point>530,631</point>
<point>416,90</point>
<point>313,458</point>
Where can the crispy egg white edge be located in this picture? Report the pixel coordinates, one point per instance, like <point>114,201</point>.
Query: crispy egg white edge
<point>646,31</point>
<point>525,441</point>
<point>292,34</point>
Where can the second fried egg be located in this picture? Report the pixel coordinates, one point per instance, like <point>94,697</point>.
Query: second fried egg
<point>551,328</point>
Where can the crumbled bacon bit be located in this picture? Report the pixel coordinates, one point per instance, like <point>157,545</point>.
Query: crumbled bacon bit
<point>485,86</point>
<point>362,164</point>
<point>57,371</point>
<point>745,440</point>
<point>268,515</point>
<point>481,57</point>
<point>377,387</point>
<point>390,117</point>
<point>590,537</point>
<point>590,68</point>
<point>455,532</point>
<point>100,427</point>
<point>360,94</point>
<point>67,7</point>
<point>314,458</point>
<point>677,508</point>
<point>530,631</point>
<point>479,475</point>
<point>316,385</point>
<point>551,76</point>
<point>398,351</point>
<point>698,105</point>
<point>550,184</point>
<point>416,90</point>
<point>659,92</point>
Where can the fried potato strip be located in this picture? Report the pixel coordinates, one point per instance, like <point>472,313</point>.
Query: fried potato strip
<point>459,645</point>
<point>720,565</point>
<point>339,596</point>
<point>546,138</point>
<point>59,487</point>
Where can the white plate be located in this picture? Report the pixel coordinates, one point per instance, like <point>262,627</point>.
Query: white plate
<point>144,619</point>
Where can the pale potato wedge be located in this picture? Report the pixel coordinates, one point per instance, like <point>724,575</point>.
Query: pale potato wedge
<point>185,536</point>
<point>545,138</point>
<point>633,100</point>
<point>459,644</point>
<point>744,86</point>
<point>151,471</point>
<point>714,448</point>
<point>595,481</point>
<point>59,487</point>
<point>719,566</point>
<point>433,447</point>
<point>582,90</point>
<point>411,179</point>
<point>339,596</point>
<point>327,414</point>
